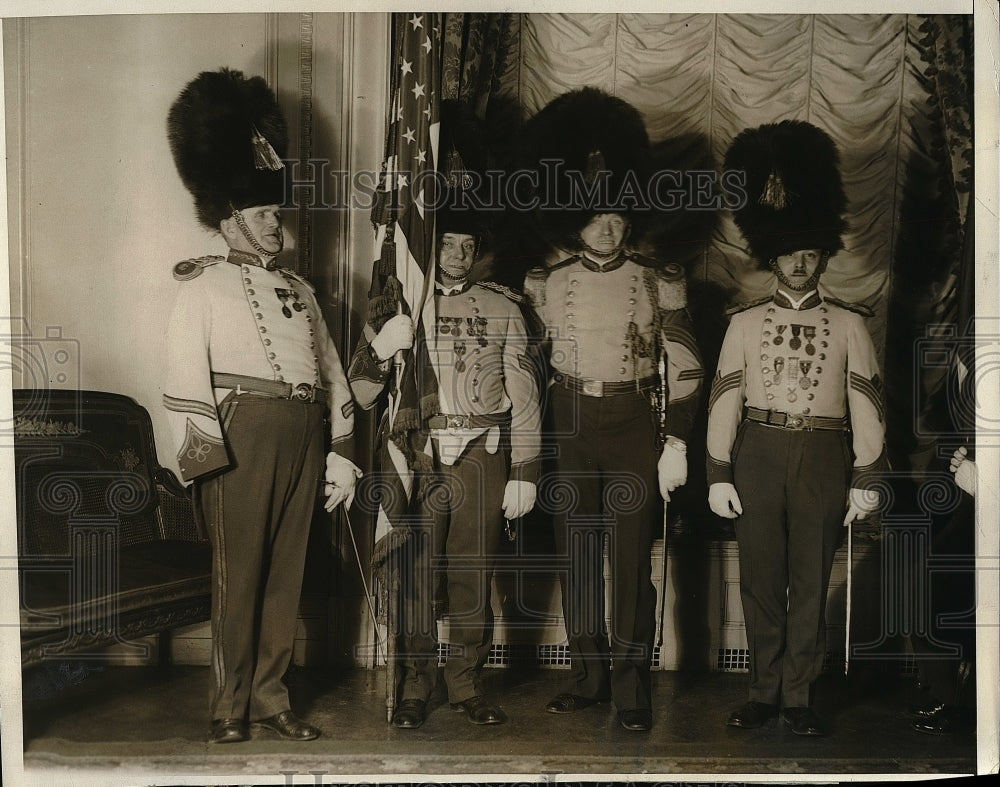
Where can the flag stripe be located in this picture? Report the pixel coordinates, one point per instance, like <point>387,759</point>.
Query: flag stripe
<point>410,192</point>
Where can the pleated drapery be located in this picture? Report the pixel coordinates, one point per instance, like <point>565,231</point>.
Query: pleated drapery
<point>893,91</point>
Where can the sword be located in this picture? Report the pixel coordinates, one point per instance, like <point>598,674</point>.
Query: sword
<point>847,627</point>
<point>391,631</point>
<point>663,588</point>
<point>661,406</point>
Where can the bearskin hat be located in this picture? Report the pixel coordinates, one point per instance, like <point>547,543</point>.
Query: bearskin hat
<point>228,138</point>
<point>464,160</point>
<point>589,152</point>
<point>795,197</point>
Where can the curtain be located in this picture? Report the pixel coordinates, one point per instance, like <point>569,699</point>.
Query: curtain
<point>893,91</point>
<point>930,308</point>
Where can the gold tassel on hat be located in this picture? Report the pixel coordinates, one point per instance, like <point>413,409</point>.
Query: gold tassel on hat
<point>264,156</point>
<point>457,176</point>
<point>774,192</point>
<point>595,165</point>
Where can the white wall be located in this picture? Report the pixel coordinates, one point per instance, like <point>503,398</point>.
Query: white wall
<point>98,215</point>
<point>103,214</point>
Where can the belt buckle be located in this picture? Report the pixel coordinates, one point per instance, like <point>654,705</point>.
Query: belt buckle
<point>456,422</point>
<point>795,422</point>
<point>303,392</point>
<point>593,388</point>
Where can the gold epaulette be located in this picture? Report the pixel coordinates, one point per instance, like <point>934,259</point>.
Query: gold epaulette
<point>534,285</point>
<point>191,269</point>
<point>669,283</point>
<point>289,273</point>
<point>742,307</point>
<point>670,271</point>
<point>857,308</point>
<point>507,292</point>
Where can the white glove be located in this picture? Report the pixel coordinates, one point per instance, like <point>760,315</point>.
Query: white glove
<point>860,503</point>
<point>396,334</point>
<point>518,499</point>
<point>964,470</point>
<point>341,476</point>
<point>672,469</point>
<point>724,501</point>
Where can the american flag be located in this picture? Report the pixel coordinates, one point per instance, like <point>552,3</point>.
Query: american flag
<point>403,275</point>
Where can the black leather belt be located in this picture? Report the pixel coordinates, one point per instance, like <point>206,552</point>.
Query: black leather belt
<point>444,421</point>
<point>241,383</point>
<point>789,421</point>
<point>601,388</point>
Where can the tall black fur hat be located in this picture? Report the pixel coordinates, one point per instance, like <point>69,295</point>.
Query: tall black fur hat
<point>795,197</point>
<point>463,161</point>
<point>228,138</point>
<point>585,138</point>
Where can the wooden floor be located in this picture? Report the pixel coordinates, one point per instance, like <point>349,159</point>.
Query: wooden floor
<point>142,719</point>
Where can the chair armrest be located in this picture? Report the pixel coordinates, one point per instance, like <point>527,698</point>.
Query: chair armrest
<point>175,513</point>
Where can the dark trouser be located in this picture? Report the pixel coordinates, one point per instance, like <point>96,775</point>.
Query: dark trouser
<point>258,515</point>
<point>950,607</point>
<point>459,540</point>
<point>793,488</point>
<point>607,458</point>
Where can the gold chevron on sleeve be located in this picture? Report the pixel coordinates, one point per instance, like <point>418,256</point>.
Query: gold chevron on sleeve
<point>867,388</point>
<point>192,406</point>
<point>722,384</point>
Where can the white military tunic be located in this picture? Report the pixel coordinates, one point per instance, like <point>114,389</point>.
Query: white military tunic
<point>235,316</point>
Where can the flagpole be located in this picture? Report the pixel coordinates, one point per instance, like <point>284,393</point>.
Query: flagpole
<point>411,152</point>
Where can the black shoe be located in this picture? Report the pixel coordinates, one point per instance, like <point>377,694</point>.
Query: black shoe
<point>752,715</point>
<point>288,726</point>
<point>947,720</point>
<point>567,703</point>
<point>803,721</point>
<point>228,731</point>
<point>926,710</point>
<point>636,720</point>
<point>479,711</point>
<point>410,714</point>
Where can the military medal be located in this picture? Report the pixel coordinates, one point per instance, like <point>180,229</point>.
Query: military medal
<point>477,328</point>
<point>795,342</point>
<point>804,381</point>
<point>459,352</point>
<point>285,295</point>
<point>780,329</point>
<point>446,326</point>
<point>793,373</point>
<point>779,364</point>
<point>809,331</point>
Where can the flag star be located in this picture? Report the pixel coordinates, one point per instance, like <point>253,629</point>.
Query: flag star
<point>427,44</point>
<point>409,136</point>
<point>417,90</point>
<point>403,181</point>
<point>417,21</point>
<point>422,156</point>
<point>407,67</point>
<point>427,111</point>
<point>399,112</point>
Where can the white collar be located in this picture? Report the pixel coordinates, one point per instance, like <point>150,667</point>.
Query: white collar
<point>796,303</point>
<point>446,289</point>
